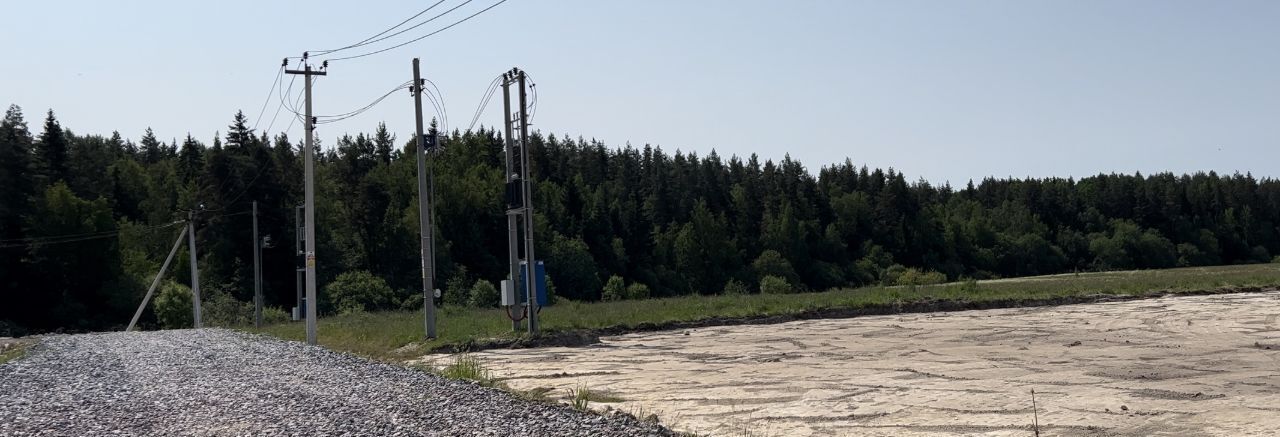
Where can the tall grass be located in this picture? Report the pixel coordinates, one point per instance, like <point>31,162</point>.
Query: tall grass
<point>393,335</point>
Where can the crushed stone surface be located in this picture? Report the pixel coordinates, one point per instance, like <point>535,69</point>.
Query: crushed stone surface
<point>216,382</point>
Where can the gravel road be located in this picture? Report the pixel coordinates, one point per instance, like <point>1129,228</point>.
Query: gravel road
<point>220,382</point>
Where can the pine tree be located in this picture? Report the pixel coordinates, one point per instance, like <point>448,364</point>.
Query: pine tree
<point>52,152</point>
<point>151,148</point>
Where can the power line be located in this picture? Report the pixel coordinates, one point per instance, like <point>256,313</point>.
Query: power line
<point>439,107</point>
<point>444,109</point>
<point>280,106</point>
<point>274,82</point>
<point>484,101</point>
<point>296,115</point>
<point>424,36</point>
<point>367,41</point>
<point>339,117</point>
<point>72,238</point>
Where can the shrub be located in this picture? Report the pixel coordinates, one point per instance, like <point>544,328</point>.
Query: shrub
<point>1276,260</point>
<point>637,291</point>
<point>551,291</point>
<point>219,308</point>
<point>614,289</point>
<point>735,286</point>
<point>273,315</point>
<point>483,295</point>
<point>456,290</point>
<point>1260,254</point>
<point>359,290</point>
<point>774,285</point>
<point>914,276</point>
<point>412,302</point>
<point>772,263</point>
<point>173,306</point>
<point>890,274</point>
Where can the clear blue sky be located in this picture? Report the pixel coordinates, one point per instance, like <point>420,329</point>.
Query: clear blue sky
<point>944,90</point>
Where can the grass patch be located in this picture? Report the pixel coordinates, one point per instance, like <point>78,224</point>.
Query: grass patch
<point>398,335</point>
<point>13,350</point>
<point>581,397</point>
<point>468,368</point>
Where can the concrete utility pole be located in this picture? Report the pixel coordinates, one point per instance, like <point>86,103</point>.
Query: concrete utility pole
<point>160,274</point>
<point>309,126</point>
<point>520,199</point>
<point>257,271</point>
<point>424,213</point>
<point>531,281</point>
<point>195,269</point>
<point>513,223</point>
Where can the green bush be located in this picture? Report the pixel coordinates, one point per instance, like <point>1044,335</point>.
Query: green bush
<point>456,290</point>
<point>359,290</point>
<point>1276,260</point>
<point>483,295</point>
<point>914,276</point>
<point>412,302</point>
<point>890,274</point>
<point>1260,254</point>
<point>614,289</point>
<point>637,291</point>
<point>775,285</point>
<point>551,291</point>
<point>173,306</point>
<point>735,286</point>
<point>772,263</point>
<point>218,308</point>
<point>274,315</point>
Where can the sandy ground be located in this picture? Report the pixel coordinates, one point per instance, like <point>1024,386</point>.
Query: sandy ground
<point>1183,366</point>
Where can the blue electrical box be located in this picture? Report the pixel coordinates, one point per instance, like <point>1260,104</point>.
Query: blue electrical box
<point>540,282</point>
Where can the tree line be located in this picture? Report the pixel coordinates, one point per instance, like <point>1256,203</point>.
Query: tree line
<point>86,220</point>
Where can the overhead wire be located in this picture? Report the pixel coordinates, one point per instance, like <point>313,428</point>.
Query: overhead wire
<point>274,83</point>
<point>484,101</point>
<point>325,119</point>
<point>289,92</point>
<point>367,41</point>
<point>437,102</point>
<point>71,238</point>
<point>423,36</point>
<point>296,115</point>
<point>445,109</point>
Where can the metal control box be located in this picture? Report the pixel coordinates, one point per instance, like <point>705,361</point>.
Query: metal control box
<point>508,293</point>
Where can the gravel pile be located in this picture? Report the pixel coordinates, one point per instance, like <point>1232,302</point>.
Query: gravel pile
<point>221,382</point>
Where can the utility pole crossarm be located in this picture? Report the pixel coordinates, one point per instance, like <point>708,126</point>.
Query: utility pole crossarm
<point>308,72</point>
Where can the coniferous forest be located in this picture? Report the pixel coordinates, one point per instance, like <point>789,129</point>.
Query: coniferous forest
<point>86,220</point>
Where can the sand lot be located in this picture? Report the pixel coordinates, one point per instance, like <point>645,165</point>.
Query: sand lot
<point>1184,366</point>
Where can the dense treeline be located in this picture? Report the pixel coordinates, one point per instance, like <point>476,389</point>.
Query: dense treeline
<point>86,220</point>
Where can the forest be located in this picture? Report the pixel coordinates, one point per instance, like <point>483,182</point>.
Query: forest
<point>86,220</point>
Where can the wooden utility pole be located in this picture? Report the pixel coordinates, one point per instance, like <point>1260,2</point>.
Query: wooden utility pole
<point>309,199</point>
<point>424,213</point>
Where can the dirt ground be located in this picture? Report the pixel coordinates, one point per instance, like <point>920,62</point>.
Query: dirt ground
<point>1184,366</point>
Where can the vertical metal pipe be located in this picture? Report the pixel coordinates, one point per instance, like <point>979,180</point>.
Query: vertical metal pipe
<point>527,176</point>
<point>513,224</point>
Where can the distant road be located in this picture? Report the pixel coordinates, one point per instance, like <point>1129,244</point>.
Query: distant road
<point>220,382</point>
